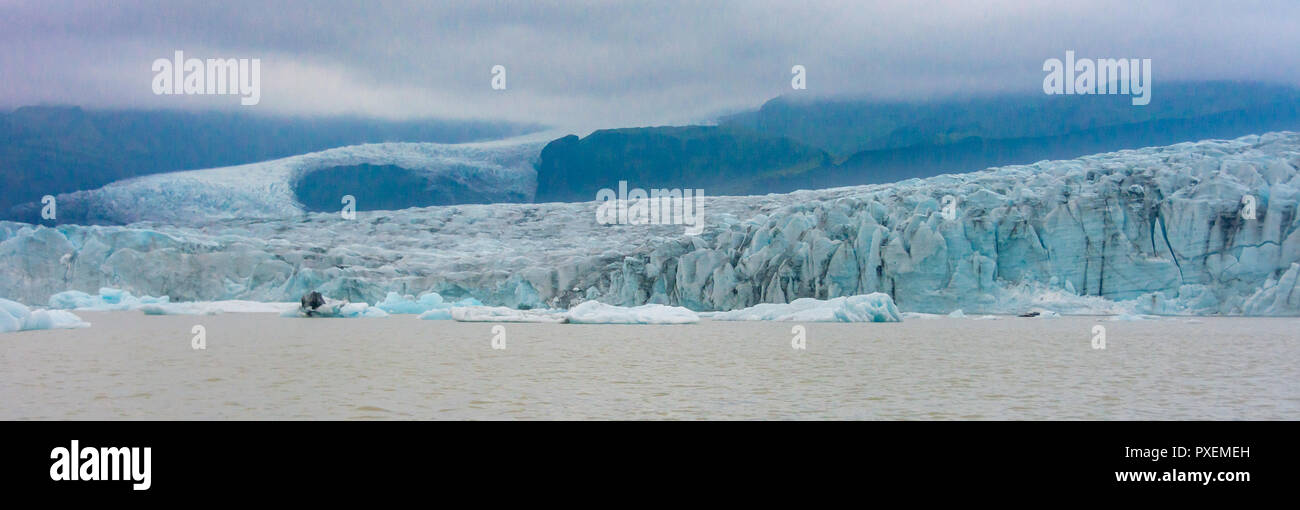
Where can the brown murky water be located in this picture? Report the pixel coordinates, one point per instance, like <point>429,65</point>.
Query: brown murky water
<point>261,366</point>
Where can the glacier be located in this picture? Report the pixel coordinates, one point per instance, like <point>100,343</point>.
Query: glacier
<point>1159,230</point>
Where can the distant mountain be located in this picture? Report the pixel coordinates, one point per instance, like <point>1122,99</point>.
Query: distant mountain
<point>847,126</point>
<point>47,150</point>
<point>788,145</point>
<point>720,160</point>
<point>973,154</point>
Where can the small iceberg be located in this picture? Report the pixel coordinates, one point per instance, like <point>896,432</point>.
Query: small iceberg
<point>15,316</point>
<point>216,307</point>
<point>594,312</point>
<point>874,307</point>
<point>1128,317</point>
<point>437,314</point>
<point>395,303</point>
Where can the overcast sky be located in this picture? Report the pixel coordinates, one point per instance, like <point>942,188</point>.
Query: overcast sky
<point>607,64</point>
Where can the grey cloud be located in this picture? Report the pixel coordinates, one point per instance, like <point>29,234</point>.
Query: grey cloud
<point>578,63</point>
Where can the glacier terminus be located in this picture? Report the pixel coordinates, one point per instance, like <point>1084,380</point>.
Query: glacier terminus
<point>1195,228</point>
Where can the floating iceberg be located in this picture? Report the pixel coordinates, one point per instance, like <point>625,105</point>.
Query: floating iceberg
<point>437,314</point>
<point>338,309</point>
<point>503,314</point>
<point>593,312</point>
<point>874,307</point>
<point>108,299</point>
<point>1130,317</point>
<point>15,316</point>
<point>395,303</point>
<point>215,307</point>
<point>111,299</point>
<point>1210,227</point>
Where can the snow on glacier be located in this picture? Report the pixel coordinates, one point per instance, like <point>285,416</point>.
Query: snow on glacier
<point>265,189</point>
<point>1158,230</point>
<point>16,316</point>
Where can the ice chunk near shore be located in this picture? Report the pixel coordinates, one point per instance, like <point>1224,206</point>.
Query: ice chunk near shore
<point>502,314</point>
<point>594,312</point>
<point>874,307</point>
<point>16,316</point>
